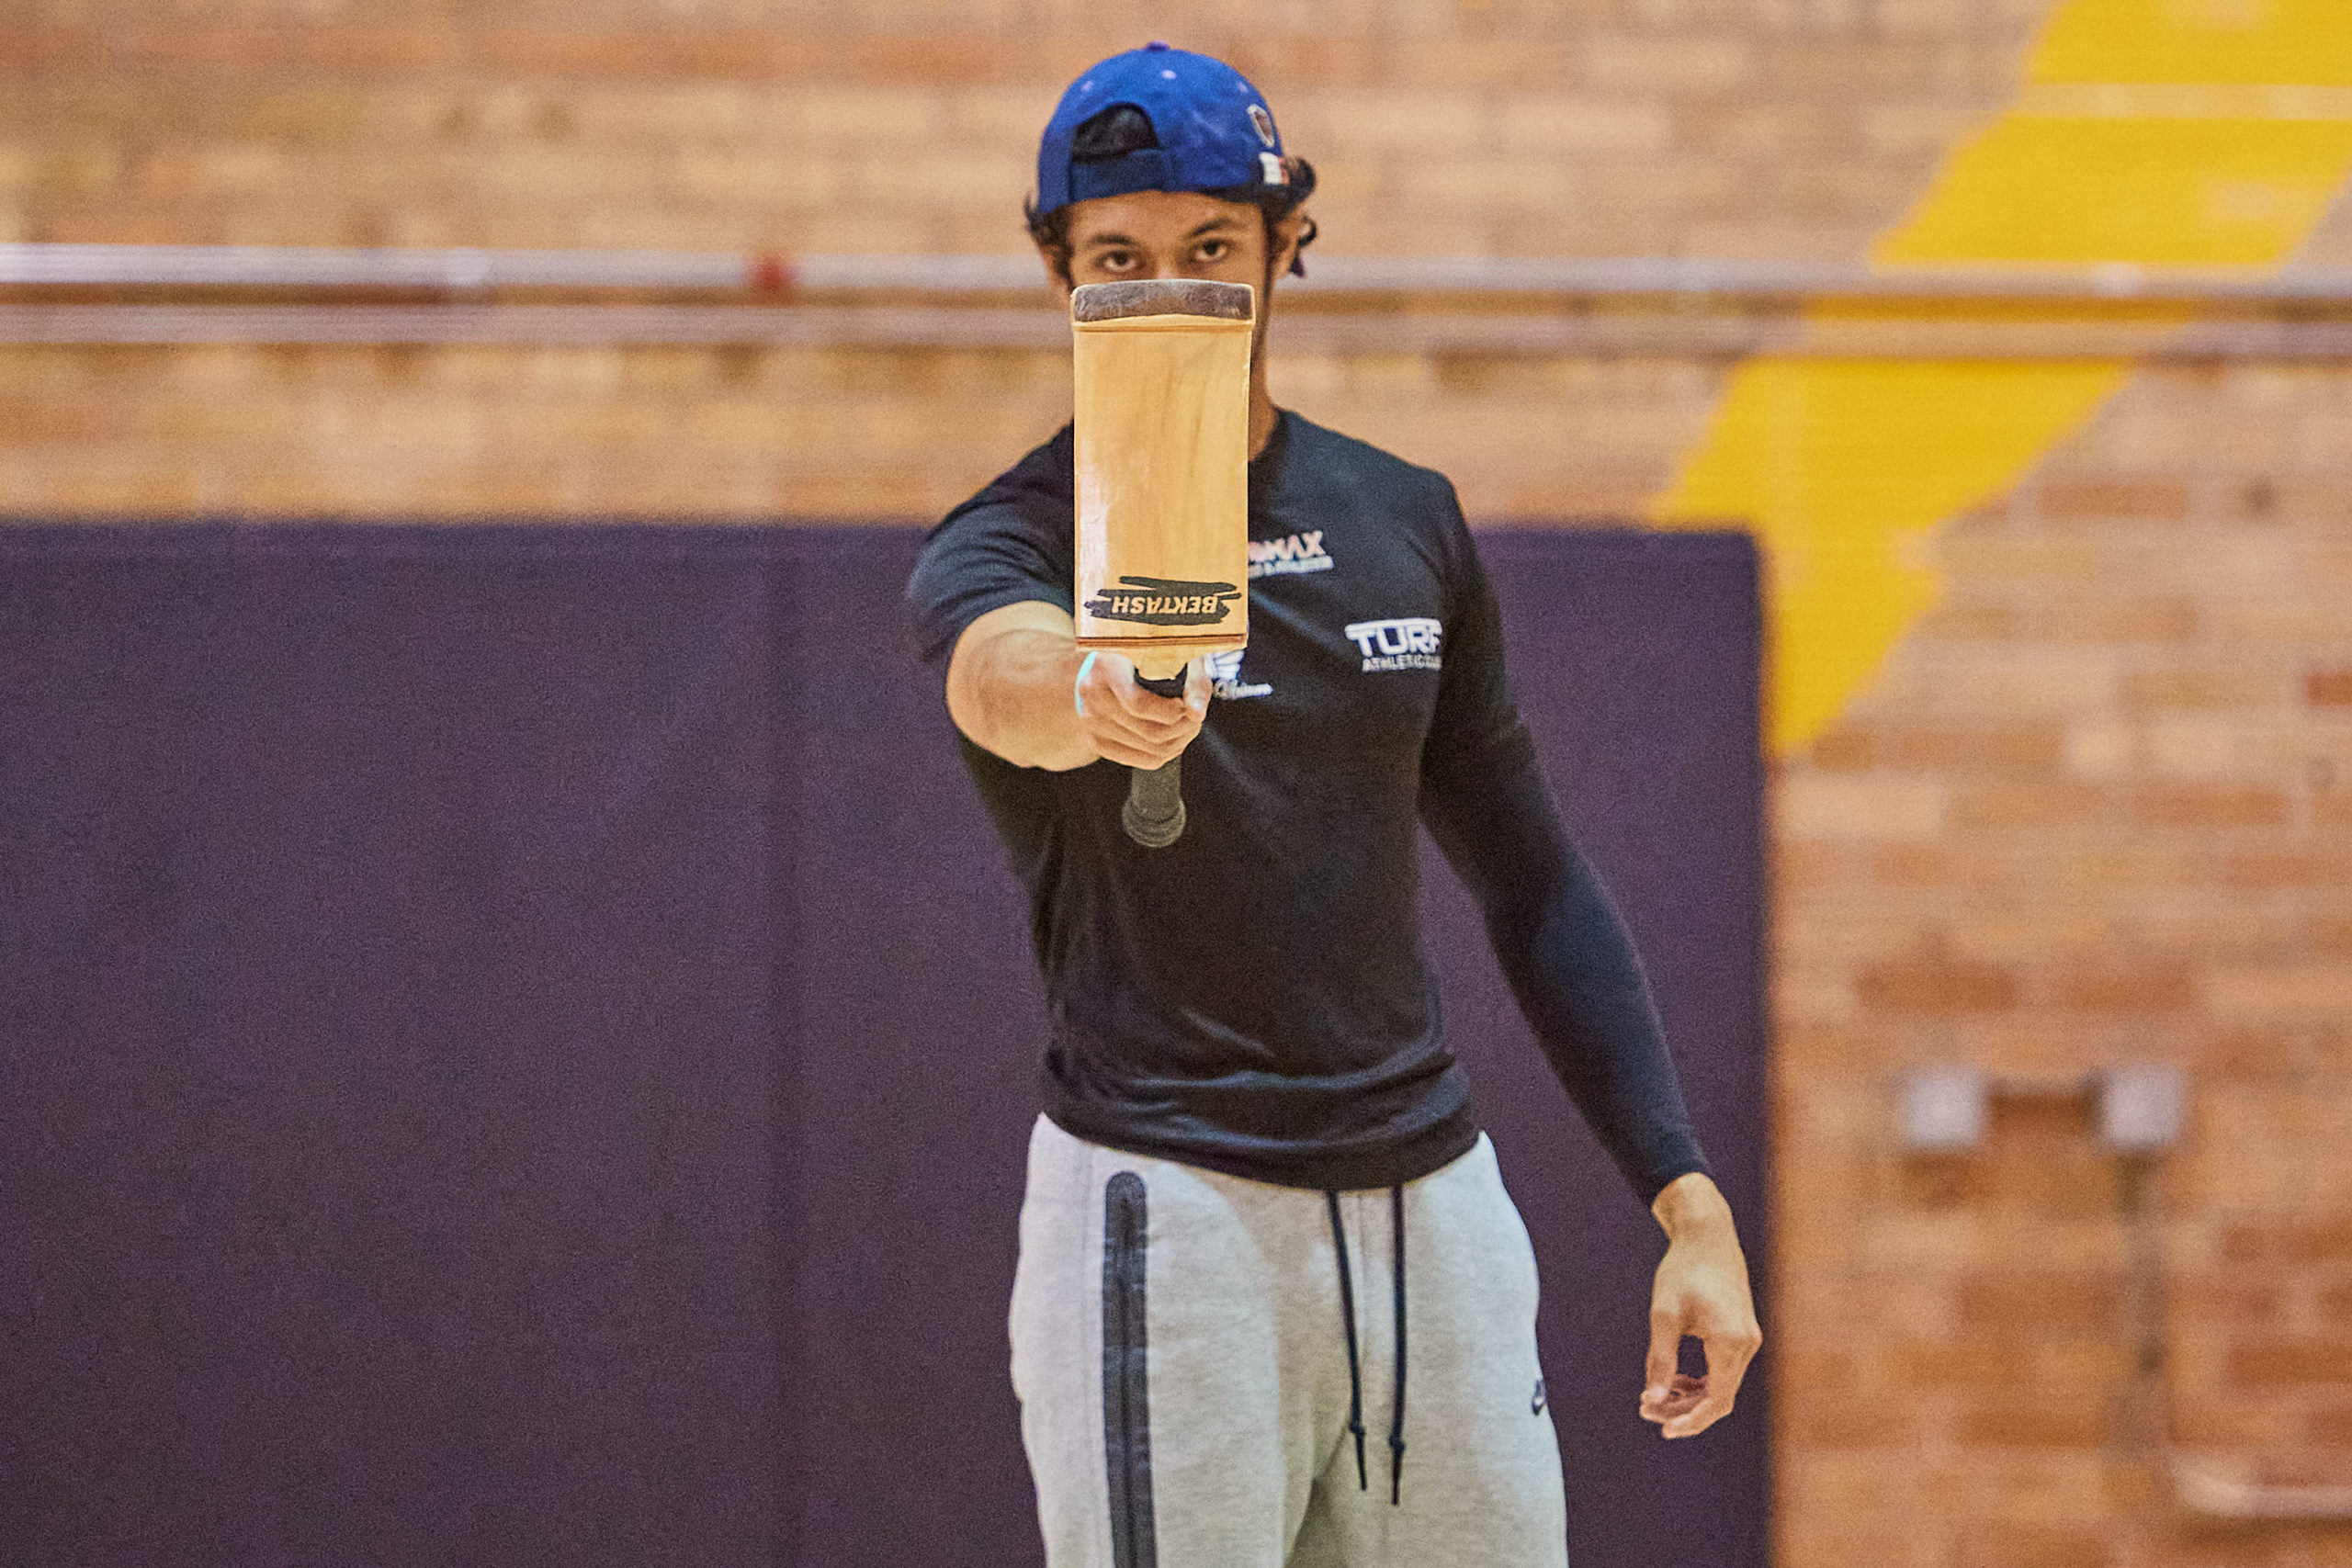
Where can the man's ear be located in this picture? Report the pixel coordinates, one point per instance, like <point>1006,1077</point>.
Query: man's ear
<point>1287,228</point>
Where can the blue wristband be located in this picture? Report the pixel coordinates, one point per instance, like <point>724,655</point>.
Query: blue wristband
<point>1077,692</point>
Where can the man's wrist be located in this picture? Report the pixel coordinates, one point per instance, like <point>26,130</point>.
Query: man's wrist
<point>1690,1207</point>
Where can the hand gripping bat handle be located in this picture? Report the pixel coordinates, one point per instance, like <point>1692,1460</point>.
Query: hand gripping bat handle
<point>1153,815</point>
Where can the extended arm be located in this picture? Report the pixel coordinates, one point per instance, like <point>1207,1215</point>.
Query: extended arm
<point>1014,688</point>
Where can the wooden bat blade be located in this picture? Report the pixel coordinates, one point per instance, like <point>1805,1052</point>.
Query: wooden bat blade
<point>1163,417</point>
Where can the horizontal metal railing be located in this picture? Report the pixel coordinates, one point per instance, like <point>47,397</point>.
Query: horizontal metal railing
<point>467,269</point>
<point>1496,305</point>
<point>1709,336</point>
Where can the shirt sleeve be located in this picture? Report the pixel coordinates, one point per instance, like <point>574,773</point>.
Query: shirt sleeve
<point>988,554</point>
<point>1563,946</point>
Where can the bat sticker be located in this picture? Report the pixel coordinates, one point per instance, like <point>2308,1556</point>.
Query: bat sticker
<point>1164,602</point>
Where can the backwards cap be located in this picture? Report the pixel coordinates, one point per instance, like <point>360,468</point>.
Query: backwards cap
<point>1161,119</point>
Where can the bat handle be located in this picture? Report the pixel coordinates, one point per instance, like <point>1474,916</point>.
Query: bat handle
<point>1153,815</point>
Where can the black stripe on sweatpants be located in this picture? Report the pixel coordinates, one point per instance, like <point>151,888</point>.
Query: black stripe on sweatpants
<point>1127,1394</point>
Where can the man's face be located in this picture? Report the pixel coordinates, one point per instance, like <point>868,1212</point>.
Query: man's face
<point>1162,233</point>
<point>1158,233</point>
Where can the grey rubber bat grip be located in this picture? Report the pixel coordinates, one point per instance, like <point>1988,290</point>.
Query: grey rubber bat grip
<point>1153,815</point>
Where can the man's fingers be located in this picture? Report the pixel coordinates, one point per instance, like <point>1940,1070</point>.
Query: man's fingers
<point>1136,756</point>
<point>1666,1340</point>
<point>1150,710</point>
<point>1682,1396</point>
<point>1146,729</point>
<point>1728,1354</point>
<point>1108,688</point>
<point>1124,739</point>
<point>1131,724</point>
<point>1146,713</point>
<point>1701,1417</point>
<point>1695,1423</point>
<point>1138,746</point>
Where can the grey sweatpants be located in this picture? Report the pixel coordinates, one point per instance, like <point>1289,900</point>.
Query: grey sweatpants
<point>1180,1350</point>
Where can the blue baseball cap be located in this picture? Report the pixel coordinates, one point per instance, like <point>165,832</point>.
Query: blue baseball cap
<point>1193,124</point>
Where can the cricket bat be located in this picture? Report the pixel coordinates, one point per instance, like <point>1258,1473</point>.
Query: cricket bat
<point>1162,427</point>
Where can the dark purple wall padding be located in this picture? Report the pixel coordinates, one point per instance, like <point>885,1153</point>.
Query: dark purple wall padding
<point>515,1047</point>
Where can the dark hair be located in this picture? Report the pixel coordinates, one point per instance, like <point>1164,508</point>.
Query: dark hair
<point>1051,230</point>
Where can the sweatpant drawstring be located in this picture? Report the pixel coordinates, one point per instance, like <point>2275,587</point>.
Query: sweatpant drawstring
<point>1355,1366</point>
<point>1348,1318</point>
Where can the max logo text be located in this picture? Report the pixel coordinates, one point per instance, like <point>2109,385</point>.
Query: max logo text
<point>1164,602</point>
<point>1299,552</point>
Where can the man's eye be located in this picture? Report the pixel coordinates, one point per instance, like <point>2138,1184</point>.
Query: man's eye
<point>1116,261</point>
<point>1214,250</point>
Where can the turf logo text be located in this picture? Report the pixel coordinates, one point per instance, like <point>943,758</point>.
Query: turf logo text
<point>1408,642</point>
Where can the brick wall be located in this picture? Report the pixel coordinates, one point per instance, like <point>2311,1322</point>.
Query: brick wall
<point>2096,808</point>
<point>1591,127</point>
<point>1603,127</point>
<point>2093,811</point>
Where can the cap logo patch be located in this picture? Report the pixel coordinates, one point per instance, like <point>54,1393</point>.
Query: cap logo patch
<point>1264,123</point>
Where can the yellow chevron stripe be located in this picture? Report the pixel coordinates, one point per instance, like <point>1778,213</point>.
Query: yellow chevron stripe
<point>2289,41</point>
<point>1845,469</point>
<point>2042,189</point>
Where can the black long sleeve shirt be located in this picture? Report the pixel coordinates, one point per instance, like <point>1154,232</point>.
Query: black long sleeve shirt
<point>1253,998</point>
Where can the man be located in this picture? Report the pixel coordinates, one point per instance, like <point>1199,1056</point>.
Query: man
<point>1258,1210</point>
